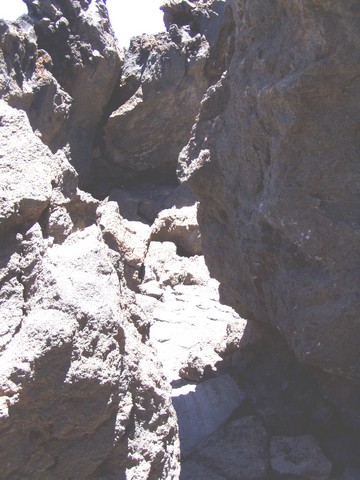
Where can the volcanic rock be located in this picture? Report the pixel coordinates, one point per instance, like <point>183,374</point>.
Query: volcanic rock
<point>80,393</point>
<point>163,80</point>
<point>300,457</point>
<point>85,60</point>
<point>203,408</point>
<point>237,451</point>
<point>274,162</point>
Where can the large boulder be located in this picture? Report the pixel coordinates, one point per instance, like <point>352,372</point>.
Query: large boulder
<point>81,394</point>
<point>163,80</point>
<point>274,160</point>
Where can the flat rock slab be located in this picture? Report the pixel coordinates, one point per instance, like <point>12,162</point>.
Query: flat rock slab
<point>203,408</point>
<point>237,451</point>
<point>188,321</point>
<point>300,457</point>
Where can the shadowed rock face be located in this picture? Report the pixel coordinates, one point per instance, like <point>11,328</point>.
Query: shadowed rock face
<point>163,80</point>
<point>274,158</point>
<point>86,62</point>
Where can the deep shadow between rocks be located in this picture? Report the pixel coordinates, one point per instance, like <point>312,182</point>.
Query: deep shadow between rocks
<point>288,396</point>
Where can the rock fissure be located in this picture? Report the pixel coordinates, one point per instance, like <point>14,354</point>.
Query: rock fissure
<point>117,358</point>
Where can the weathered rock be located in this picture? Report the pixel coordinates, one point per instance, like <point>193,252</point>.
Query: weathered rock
<point>80,393</point>
<point>201,364</point>
<point>188,322</point>
<point>129,239</point>
<point>180,226</point>
<point>162,74</point>
<point>70,371</point>
<point>300,457</point>
<point>28,171</point>
<point>143,201</point>
<point>26,81</point>
<point>165,267</point>
<point>240,338</point>
<point>273,160</point>
<point>201,409</point>
<point>143,134</point>
<point>211,18</point>
<point>86,62</point>
<point>237,451</point>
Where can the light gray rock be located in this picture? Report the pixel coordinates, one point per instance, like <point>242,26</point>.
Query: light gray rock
<point>11,292</point>
<point>240,339</point>
<point>187,324</point>
<point>28,171</point>
<point>180,226</point>
<point>165,267</point>
<point>75,375</point>
<point>129,239</point>
<point>201,364</point>
<point>201,409</point>
<point>238,451</point>
<point>300,457</point>
<point>77,371</point>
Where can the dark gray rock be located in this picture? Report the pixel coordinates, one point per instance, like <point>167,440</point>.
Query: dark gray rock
<point>274,161</point>
<point>300,457</point>
<point>163,80</point>
<point>86,62</point>
<point>237,451</point>
<point>191,470</point>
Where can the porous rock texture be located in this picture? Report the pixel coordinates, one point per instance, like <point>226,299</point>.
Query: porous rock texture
<point>83,56</point>
<point>274,160</point>
<point>90,288</point>
<point>82,393</point>
<point>163,80</point>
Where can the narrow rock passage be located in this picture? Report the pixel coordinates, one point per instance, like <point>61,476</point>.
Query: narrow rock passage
<point>178,301</point>
<point>236,419</point>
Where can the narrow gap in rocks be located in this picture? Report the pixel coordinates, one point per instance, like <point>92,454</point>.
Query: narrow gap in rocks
<point>242,400</point>
<point>130,239</point>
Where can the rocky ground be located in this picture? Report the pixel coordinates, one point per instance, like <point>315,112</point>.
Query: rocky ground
<point>246,409</point>
<point>117,358</point>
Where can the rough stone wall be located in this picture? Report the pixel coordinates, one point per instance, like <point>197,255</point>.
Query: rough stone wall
<point>163,79</point>
<point>274,158</point>
<point>81,395</point>
<point>81,392</point>
<point>86,62</point>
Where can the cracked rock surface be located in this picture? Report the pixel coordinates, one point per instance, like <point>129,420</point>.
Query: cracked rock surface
<point>117,359</point>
